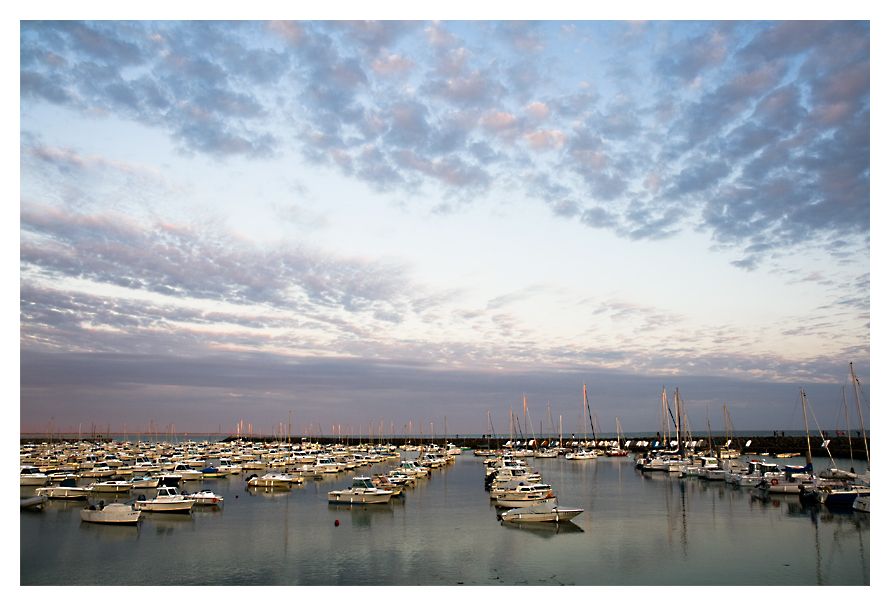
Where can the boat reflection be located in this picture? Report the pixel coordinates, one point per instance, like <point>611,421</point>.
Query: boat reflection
<point>362,515</point>
<point>110,533</point>
<point>544,529</point>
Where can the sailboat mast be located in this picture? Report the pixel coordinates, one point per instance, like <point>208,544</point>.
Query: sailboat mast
<point>859,406</point>
<point>847,417</point>
<point>806,426</point>
<point>679,424</point>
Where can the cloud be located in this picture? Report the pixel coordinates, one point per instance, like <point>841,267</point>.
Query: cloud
<point>771,122</point>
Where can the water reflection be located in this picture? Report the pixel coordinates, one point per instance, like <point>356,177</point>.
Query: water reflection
<point>363,515</point>
<point>546,530</point>
<point>111,533</point>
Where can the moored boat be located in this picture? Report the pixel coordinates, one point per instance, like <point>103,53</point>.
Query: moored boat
<point>544,512</point>
<point>361,491</point>
<point>113,513</point>
<point>67,489</point>
<point>111,486</point>
<point>168,500</point>
<point>205,497</point>
<point>273,480</point>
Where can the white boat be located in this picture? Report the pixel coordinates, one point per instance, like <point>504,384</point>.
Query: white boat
<point>146,482</point>
<point>31,476</point>
<point>526,496</point>
<point>37,502</point>
<point>411,468</point>
<point>862,503</point>
<point>187,473</point>
<point>544,512</point>
<point>113,513</point>
<point>111,486</point>
<point>67,489</point>
<point>98,471</point>
<point>205,497</point>
<point>361,491</point>
<point>581,455</point>
<point>273,480</point>
<point>168,500</point>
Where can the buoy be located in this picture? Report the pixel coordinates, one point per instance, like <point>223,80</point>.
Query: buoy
<point>336,522</point>
<point>774,481</point>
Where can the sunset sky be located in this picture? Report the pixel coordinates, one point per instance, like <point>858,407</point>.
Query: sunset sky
<point>383,223</point>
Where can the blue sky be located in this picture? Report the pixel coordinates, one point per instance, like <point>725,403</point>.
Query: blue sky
<point>384,223</point>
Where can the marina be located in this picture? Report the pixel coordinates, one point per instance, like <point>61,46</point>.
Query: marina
<point>627,527</point>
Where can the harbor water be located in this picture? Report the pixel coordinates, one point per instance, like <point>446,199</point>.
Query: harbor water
<point>637,528</point>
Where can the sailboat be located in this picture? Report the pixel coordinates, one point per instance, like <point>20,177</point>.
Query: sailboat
<point>726,452</point>
<point>616,450</point>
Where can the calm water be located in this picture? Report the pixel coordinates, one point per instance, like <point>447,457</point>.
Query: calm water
<point>637,529</point>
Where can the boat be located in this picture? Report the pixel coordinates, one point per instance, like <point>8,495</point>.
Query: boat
<point>543,512</point>
<point>37,502</point>
<point>67,489</point>
<point>168,500</point>
<point>111,486</point>
<point>113,513</point>
<point>581,454</point>
<point>187,473</point>
<point>213,472</point>
<point>862,503</point>
<point>31,476</point>
<point>616,450</point>
<point>205,497</point>
<point>147,482</point>
<point>98,471</point>
<point>361,491</point>
<point>525,496</point>
<point>273,480</point>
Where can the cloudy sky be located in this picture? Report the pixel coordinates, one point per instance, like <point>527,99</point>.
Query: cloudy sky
<point>394,224</point>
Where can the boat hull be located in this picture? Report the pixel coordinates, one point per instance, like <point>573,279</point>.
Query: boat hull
<point>557,514</point>
<point>115,513</point>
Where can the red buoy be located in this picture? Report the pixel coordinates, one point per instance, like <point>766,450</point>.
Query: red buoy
<point>336,522</point>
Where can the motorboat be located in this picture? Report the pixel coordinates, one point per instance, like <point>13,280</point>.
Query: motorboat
<point>228,466</point>
<point>36,502</point>
<point>401,479</point>
<point>580,455</point>
<point>382,481</point>
<point>361,491</point>
<point>111,486</point>
<point>98,471</point>
<point>862,503</point>
<point>413,469</point>
<point>147,482</point>
<point>790,482</point>
<point>525,496</point>
<point>187,473</point>
<point>168,500</point>
<point>273,480</point>
<point>31,476</point>
<point>543,512</point>
<point>113,513</point>
<point>205,497</point>
<point>213,472</point>
<point>67,489</point>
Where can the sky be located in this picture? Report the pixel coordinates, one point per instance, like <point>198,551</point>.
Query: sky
<point>385,227</point>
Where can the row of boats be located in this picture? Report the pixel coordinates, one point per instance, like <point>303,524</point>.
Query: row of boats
<point>831,486</point>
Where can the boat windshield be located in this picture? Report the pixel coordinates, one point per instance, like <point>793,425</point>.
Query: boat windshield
<point>362,483</point>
